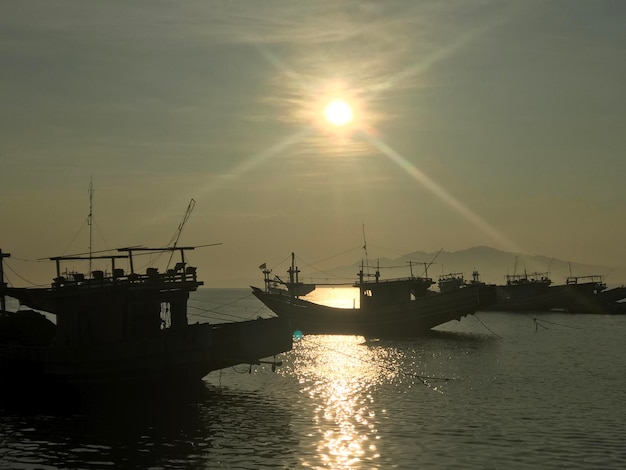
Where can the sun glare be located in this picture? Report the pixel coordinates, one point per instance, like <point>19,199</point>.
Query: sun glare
<point>338,113</point>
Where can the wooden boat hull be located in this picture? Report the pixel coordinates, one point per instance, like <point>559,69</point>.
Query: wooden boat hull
<point>122,328</point>
<point>399,320</point>
<point>188,354</point>
<point>574,298</point>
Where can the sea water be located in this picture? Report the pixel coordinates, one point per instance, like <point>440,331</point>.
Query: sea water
<point>495,390</point>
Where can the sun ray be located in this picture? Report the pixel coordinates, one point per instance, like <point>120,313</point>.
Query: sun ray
<point>255,160</point>
<point>339,112</point>
<point>278,63</point>
<point>452,48</point>
<point>441,192</point>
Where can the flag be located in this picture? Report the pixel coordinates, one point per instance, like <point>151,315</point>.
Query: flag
<point>263,266</point>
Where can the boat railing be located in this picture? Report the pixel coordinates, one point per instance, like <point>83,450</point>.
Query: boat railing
<point>186,276</point>
<point>528,278</point>
<point>424,280</point>
<point>180,274</point>
<point>589,278</point>
<point>595,279</point>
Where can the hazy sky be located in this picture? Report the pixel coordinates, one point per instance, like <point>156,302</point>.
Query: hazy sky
<point>498,123</point>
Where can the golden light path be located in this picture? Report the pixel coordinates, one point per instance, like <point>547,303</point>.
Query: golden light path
<point>338,376</point>
<point>344,380</point>
<point>257,159</point>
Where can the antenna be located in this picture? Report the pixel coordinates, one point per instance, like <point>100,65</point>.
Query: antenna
<point>90,219</point>
<point>3,305</point>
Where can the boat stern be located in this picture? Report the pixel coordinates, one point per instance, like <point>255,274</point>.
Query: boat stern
<point>250,341</point>
<point>487,295</point>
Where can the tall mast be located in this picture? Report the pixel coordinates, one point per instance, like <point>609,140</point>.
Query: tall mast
<point>190,207</point>
<point>2,283</point>
<point>90,221</point>
<point>365,249</point>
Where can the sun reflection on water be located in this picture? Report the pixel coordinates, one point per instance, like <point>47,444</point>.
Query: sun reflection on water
<point>340,374</point>
<point>344,381</point>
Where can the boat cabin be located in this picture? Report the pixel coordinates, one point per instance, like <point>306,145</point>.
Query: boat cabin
<point>108,307</point>
<point>400,291</point>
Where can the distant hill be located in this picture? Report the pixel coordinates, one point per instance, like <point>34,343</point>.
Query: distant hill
<point>493,266</point>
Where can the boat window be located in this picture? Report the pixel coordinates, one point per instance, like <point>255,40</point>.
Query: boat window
<point>367,292</point>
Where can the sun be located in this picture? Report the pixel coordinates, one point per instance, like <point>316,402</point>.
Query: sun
<point>338,113</point>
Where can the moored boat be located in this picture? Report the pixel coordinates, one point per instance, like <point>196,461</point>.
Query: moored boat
<point>579,294</point>
<point>400,307</point>
<point>127,328</point>
<point>536,292</point>
<point>451,281</point>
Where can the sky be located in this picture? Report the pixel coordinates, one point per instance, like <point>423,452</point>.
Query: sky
<point>475,122</point>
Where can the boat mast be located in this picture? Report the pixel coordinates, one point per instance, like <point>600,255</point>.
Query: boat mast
<point>2,283</point>
<point>428,265</point>
<point>292,270</point>
<point>294,279</point>
<point>90,221</point>
<point>366,263</point>
<point>190,207</point>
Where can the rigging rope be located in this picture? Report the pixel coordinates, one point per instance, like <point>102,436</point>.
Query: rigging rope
<point>8,266</point>
<point>312,265</point>
<point>281,262</point>
<point>15,258</point>
<point>85,222</point>
<point>486,327</point>
<point>224,314</point>
<point>539,322</point>
<point>337,255</point>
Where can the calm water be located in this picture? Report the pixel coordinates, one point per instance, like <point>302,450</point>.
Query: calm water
<point>496,391</point>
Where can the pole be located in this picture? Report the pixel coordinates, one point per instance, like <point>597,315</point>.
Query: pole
<point>90,222</point>
<point>3,305</point>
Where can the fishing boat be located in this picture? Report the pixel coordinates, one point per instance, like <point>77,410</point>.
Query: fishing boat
<point>450,282</point>
<point>536,292</point>
<point>613,300</point>
<point>453,281</point>
<point>399,307</point>
<point>527,284</point>
<point>123,327</point>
